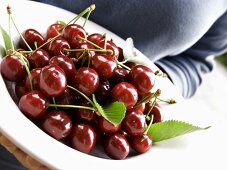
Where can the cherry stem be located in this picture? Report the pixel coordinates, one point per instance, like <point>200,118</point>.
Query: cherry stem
<point>72,106</point>
<point>90,8</point>
<point>169,101</point>
<point>122,65</point>
<point>87,50</point>
<point>88,15</point>
<point>53,99</point>
<point>156,94</point>
<point>145,99</point>
<point>81,38</point>
<point>11,41</point>
<point>105,42</point>
<point>148,127</point>
<point>48,41</point>
<point>82,94</point>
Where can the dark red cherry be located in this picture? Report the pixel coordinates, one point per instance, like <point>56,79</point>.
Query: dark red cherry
<point>156,112</point>
<point>83,137</point>
<point>12,68</point>
<point>32,37</point>
<point>57,124</point>
<point>139,109</point>
<point>52,81</point>
<point>33,104</point>
<point>119,75</point>
<point>110,45</point>
<point>71,31</point>
<point>85,115</point>
<point>53,30</point>
<point>67,98</point>
<point>121,55</point>
<point>86,80</point>
<point>103,92</point>
<point>126,93</point>
<point>106,126</point>
<point>20,89</point>
<point>141,143</point>
<point>38,59</point>
<point>116,146</point>
<point>134,124</point>
<point>104,65</point>
<point>35,79</point>
<point>57,47</point>
<point>95,38</point>
<point>142,78</point>
<point>65,63</point>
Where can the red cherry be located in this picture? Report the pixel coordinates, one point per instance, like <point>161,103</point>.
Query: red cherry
<point>52,81</point>
<point>103,92</point>
<point>95,38</point>
<point>71,31</point>
<point>35,73</point>
<point>156,112</point>
<point>57,47</point>
<point>67,98</point>
<point>104,65</point>
<point>119,75</point>
<point>57,124</point>
<point>39,58</point>
<point>20,89</point>
<point>12,68</point>
<point>134,123</point>
<point>126,93</point>
<point>32,37</point>
<point>86,80</point>
<point>86,115</point>
<point>65,63</point>
<point>142,78</point>
<point>141,143</point>
<point>54,29</point>
<point>116,146</point>
<point>110,46</point>
<point>33,104</point>
<point>106,126</point>
<point>83,137</point>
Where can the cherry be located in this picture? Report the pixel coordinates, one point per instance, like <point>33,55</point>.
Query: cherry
<point>140,108</point>
<point>38,58</point>
<point>32,37</point>
<point>71,32</point>
<point>86,80</point>
<point>141,143</point>
<point>119,75</point>
<point>20,89</point>
<point>35,73</point>
<point>12,68</point>
<point>83,137</point>
<point>142,78</point>
<point>156,112</point>
<point>33,104</point>
<point>103,92</point>
<point>57,124</point>
<point>104,65</point>
<point>52,81</point>
<point>126,93</point>
<point>53,30</point>
<point>110,46</point>
<point>134,123</point>
<point>67,98</point>
<point>86,115</point>
<point>65,63</point>
<point>95,38</point>
<point>116,146</point>
<point>106,126</point>
<point>57,47</point>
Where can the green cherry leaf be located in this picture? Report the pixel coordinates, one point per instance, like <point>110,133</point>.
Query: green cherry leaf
<point>170,129</point>
<point>113,112</point>
<point>2,51</point>
<point>6,39</point>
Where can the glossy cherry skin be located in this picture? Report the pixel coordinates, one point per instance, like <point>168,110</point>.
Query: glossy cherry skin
<point>31,36</point>
<point>83,137</point>
<point>86,80</point>
<point>134,123</point>
<point>103,92</point>
<point>12,68</point>
<point>65,63</point>
<point>126,93</point>
<point>71,31</point>
<point>95,38</point>
<point>33,104</point>
<point>85,115</point>
<point>38,59</point>
<point>57,47</point>
<point>116,146</point>
<point>57,124</point>
<point>119,75</point>
<point>52,81</point>
<point>110,45</point>
<point>141,143</point>
<point>20,89</point>
<point>53,30</point>
<point>106,126</point>
<point>35,73</point>
<point>156,112</point>
<point>104,65</point>
<point>67,98</point>
<point>142,78</point>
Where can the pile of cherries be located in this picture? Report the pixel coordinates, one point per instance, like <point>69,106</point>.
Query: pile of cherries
<point>55,77</point>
